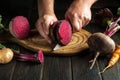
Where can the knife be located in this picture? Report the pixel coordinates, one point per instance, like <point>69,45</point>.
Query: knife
<point>57,47</point>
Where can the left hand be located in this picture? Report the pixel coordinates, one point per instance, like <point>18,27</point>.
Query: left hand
<point>43,24</point>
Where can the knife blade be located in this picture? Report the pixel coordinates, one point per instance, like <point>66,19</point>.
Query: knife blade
<point>57,47</point>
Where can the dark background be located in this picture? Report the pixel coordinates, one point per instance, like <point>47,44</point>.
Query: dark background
<point>28,8</point>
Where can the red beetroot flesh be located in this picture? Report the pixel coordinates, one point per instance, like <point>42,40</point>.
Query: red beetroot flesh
<point>40,56</point>
<point>64,32</point>
<point>20,27</point>
<point>61,32</point>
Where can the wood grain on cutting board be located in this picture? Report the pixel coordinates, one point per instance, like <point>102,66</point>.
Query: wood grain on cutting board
<point>35,42</point>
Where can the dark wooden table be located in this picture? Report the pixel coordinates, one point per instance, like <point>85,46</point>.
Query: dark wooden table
<point>56,67</point>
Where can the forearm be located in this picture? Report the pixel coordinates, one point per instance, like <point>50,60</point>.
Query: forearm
<point>89,3</point>
<point>45,7</point>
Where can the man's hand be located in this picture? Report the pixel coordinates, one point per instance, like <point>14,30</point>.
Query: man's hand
<point>46,18</point>
<point>79,13</point>
<point>43,24</point>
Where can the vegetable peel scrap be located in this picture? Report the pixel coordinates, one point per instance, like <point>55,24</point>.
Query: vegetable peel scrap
<point>39,57</point>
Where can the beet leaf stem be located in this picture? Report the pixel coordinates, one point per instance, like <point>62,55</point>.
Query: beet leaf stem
<point>113,28</point>
<point>30,57</point>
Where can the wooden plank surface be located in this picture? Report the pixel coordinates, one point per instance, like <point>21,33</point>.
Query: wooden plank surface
<point>60,67</point>
<point>81,68</point>
<point>6,71</point>
<point>57,68</point>
<point>27,71</point>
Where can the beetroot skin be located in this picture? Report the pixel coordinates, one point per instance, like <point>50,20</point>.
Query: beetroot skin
<point>19,27</point>
<point>61,32</point>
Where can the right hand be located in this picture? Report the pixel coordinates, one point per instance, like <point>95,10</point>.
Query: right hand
<point>43,24</point>
<point>79,14</point>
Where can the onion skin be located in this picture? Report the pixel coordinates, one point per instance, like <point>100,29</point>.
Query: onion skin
<point>6,55</point>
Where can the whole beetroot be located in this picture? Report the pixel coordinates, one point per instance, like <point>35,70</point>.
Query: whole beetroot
<point>19,27</point>
<point>101,44</point>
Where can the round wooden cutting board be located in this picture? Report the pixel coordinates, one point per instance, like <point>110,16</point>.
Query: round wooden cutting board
<point>35,42</point>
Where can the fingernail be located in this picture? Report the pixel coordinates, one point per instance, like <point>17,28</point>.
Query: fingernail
<point>75,15</point>
<point>49,41</point>
<point>77,26</point>
<point>46,32</point>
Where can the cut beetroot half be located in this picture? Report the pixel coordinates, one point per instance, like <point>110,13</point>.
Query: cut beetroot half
<point>61,32</point>
<point>19,27</point>
<point>64,32</point>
